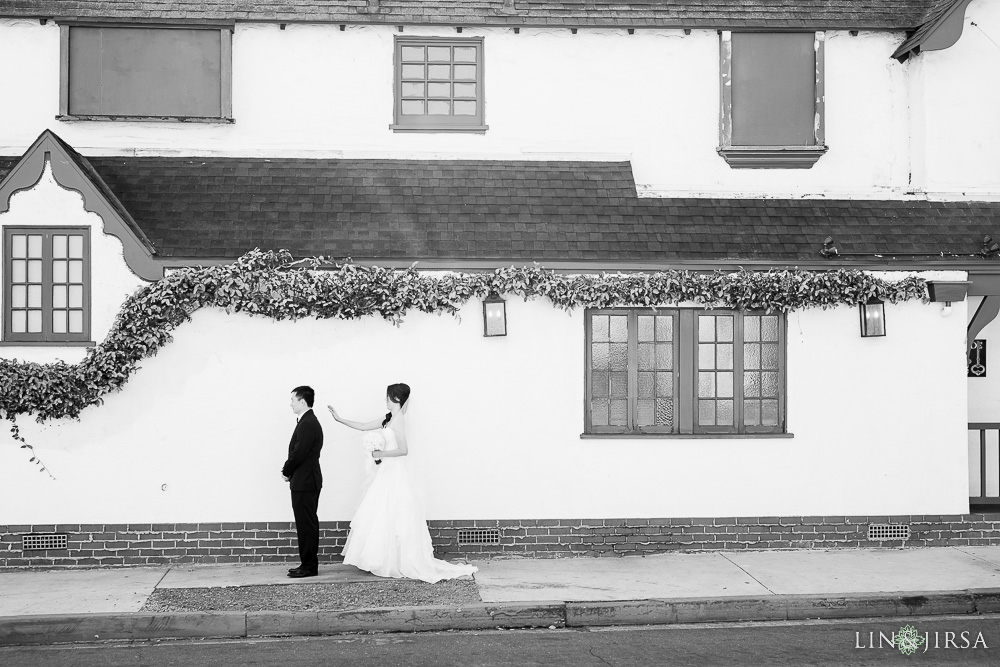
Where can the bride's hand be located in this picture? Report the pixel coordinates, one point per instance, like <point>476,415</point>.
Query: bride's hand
<point>333,412</point>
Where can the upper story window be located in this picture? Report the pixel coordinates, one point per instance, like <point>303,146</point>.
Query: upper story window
<point>772,99</point>
<point>439,85</point>
<point>46,285</point>
<point>685,371</point>
<point>146,73</point>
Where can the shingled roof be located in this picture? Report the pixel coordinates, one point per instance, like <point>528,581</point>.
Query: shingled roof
<point>856,14</point>
<point>505,211</point>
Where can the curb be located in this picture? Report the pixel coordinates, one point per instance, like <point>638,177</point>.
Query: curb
<point>781,608</point>
<point>25,630</point>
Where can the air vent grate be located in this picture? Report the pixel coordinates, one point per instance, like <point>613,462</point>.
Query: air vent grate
<point>43,542</point>
<point>888,531</point>
<point>479,536</point>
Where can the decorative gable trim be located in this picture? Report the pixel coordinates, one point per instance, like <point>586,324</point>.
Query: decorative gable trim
<point>72,171</point>
<point>937,33</point>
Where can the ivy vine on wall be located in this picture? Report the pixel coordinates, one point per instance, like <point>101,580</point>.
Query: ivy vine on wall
<point>271,284</point>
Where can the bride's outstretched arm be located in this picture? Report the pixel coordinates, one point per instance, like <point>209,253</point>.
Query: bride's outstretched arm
<point>360,426</point>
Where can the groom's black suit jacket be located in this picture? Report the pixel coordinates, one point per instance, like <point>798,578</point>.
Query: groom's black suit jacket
<point>302,466</point>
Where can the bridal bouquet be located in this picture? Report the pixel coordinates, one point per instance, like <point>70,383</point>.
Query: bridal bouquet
<point>373,440</point>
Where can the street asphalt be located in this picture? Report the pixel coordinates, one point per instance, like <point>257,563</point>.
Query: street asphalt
<point>78,605</point>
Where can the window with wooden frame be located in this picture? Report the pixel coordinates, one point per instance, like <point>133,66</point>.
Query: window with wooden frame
<point>684,371</point>
<point>772,99</point>
<point>438,85</point>
<point>46,285</point>
<point>146,72</point>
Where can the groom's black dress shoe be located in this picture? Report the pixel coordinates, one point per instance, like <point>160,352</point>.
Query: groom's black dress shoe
<point>295,569</point>
<point>298,574</point>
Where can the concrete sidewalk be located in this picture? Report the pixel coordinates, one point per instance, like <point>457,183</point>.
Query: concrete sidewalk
<point>41,606</point>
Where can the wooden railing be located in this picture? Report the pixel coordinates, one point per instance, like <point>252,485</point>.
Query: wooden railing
<point>985,496</point>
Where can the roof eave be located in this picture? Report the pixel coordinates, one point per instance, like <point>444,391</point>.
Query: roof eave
<point>937,34</point>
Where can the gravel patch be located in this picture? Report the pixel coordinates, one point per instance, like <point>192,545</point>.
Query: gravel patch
<point>314,597</point>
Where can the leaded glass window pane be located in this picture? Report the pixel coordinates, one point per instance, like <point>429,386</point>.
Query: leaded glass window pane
<point>647,356</point>
<point>18,246</point>
<point>646,415</point>
<point>619,413</point>
<point>646,328</point>
<point>465,54</point>
<point>439,89</point>
<point>600,412</point>
<point>599,327</point>
<point>412,89</point>
<point>413,72</point>
<point>413,107</point>
<point>439,54</point>
<point>619,328</point>
<point>664,328</point>
<point>769,413</point>
<point>60,247</point>
<point>438,108</point>
<point>412,53</point>
<point>664,412</point>
<point>76,246</point>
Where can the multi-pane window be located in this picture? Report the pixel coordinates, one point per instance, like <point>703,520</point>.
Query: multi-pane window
<point>135,71</point>
<point>684,371</point>
<point>439,84</point>
<point>47,281</point>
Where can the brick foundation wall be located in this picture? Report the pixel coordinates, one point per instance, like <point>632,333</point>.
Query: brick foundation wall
<point>162,543</point>
<point>621,537</point>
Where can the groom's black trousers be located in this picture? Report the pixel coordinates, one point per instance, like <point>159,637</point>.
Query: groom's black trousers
<point>305,505</point>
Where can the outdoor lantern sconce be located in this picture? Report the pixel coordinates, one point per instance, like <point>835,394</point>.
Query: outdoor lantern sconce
<point>946,291</point>
<point>872,318</point>
<point>494,316</point>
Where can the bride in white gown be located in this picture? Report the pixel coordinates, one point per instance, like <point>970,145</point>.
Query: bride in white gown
<point>389,535</point>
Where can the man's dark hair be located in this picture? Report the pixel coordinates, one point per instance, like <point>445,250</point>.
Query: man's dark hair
<point>306,394</point>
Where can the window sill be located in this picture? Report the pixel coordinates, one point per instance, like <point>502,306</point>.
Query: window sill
<point>685,436</point>
<point>472,129</point>
<point>772,157</point>
<point>148,119</point>
<point>48,343</point>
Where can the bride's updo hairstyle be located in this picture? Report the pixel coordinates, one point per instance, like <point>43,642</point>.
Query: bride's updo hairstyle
<point>397,393</point>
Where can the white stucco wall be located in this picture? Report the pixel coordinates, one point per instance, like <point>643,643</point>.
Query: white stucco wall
<point>651,97</point>
<point>495,426</point>
<point>201,430</point>
<point>960,128</point>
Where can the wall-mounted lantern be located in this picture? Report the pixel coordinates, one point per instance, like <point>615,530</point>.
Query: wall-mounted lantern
<point>872,318</point>
<point>494,316</point>
<point>946,291</point>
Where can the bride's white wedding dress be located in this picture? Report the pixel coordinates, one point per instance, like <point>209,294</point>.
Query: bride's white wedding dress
<point>389,535</point>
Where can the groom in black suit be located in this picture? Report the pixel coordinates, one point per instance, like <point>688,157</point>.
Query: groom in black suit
<point>302,471</point>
